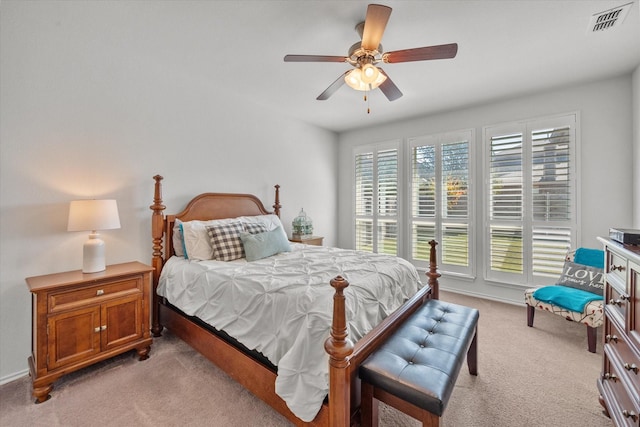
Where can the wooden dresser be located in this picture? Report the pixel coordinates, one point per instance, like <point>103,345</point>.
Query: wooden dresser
<point>80,319</point>
<point>619,382</point>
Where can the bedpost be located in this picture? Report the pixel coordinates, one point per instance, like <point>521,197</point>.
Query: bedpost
<point>433,274</point>
<point>157,233</point>
<point>339,347</point>
<point>276,205</point>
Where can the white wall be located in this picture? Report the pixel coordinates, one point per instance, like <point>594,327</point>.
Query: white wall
<point>606,158</point>
<point>86,117</point>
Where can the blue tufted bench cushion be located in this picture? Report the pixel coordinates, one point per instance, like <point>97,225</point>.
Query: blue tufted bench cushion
<point>421,360</point>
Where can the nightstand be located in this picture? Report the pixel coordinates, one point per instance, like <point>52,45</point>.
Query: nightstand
<point>311,240</point>
<point>80,319</point>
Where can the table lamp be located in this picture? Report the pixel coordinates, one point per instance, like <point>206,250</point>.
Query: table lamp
<point>93,215</point>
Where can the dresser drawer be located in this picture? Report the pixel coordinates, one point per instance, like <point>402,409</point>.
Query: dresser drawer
<point>617,303</point>
<point>70,299</point>
<point>617,266</point>
<point>622,409</point>
<point>620,353</point>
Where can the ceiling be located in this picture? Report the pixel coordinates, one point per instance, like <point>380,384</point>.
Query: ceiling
<point>506,48</point>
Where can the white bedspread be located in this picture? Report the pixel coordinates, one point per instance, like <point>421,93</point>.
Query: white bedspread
<point>281,306</point>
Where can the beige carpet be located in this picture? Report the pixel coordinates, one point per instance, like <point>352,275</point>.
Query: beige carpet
<point>541,376</point>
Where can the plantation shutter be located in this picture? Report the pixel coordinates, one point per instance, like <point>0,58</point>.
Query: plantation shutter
<point>506,192</point>
<point>376,199</point>
<point>552,198</point>
<point>531,199</point>
<point>440,200</point>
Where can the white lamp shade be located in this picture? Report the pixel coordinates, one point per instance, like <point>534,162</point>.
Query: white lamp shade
<point>91,215</point>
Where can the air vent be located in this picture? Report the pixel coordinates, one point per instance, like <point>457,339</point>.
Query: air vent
<point>609,18</point>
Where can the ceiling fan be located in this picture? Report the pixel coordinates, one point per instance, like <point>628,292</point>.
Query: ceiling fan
<point>364,56</point>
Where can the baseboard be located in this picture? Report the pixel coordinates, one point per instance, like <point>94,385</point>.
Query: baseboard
<point>481,296</point>
<point>14,376</point>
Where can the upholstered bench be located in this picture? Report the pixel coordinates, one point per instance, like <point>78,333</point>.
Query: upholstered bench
<point>416,368</point>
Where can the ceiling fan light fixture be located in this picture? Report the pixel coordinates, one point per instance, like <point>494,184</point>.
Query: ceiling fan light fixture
<point>356,79</point>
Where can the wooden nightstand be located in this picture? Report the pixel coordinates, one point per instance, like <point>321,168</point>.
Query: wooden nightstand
<point>312,240</point>
<point>80,319</point>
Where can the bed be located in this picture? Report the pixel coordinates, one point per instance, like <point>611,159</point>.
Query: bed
<point>227,337</point>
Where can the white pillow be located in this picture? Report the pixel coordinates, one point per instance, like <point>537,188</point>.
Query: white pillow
<point>197,245</point>
<point>178,241</point>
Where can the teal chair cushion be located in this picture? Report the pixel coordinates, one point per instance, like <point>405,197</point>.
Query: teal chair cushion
<point>568,298</point>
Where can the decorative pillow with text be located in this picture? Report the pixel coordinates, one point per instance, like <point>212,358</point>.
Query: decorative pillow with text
<point>580,276</point>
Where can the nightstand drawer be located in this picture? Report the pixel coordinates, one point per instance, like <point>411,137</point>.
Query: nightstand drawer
<point>71,299</point>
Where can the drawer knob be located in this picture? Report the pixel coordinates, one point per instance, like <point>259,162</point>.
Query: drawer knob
<point>100,328</point>
<point>96,329</point>
<point>100,292</point>
<point>630,414</point>
<point>609,338</point>
<point>618,267</point>
<point>631,367</point>
<point>617,302</point>
<point>612,377</point>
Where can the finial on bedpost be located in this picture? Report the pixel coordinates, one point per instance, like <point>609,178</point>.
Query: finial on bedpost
<point>157,233</point>
<point>339,347</point>
<point>277,206</point>
<point>433,274</point>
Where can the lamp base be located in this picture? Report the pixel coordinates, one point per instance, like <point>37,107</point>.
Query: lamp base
<point>93,259</point>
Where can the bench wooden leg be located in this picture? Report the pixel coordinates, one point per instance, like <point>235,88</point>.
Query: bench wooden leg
<point>472,355</point>
<point>368,406</point>
<point>429,419</point>
<point>531,311</point>
<point>592,336</point>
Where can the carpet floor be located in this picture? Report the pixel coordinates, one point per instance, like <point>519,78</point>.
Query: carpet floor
<point>540,376</point>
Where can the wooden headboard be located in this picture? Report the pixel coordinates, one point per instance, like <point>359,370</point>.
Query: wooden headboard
<point>204,207</point>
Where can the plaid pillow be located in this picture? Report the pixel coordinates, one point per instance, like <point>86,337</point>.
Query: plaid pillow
<point>254,228</point>
<point>225,241</point>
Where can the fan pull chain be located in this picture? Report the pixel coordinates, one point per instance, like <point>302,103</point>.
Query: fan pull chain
<point>366,99</point>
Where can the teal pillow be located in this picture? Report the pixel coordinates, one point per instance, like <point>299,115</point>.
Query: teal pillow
<point>262,245</point>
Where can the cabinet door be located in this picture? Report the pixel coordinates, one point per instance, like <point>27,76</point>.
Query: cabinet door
<point>73,336</point>
<point>121,321</point>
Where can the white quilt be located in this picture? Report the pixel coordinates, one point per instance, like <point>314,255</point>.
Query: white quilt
<point>281,306</point>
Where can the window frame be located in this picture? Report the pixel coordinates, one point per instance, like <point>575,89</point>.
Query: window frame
<point>529,224</point>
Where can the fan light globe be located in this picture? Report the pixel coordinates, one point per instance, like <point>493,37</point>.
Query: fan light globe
<point>354,79</point>
<point>369,73</point>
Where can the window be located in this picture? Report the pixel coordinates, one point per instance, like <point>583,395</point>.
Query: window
<point>530,175</point>
<point>441,202</point>
<point>376,198</point>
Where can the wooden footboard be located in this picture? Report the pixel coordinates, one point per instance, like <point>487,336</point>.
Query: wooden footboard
<point>341,410</point>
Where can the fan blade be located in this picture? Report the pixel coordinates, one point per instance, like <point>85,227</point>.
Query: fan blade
<point>314,58</point>
<point>374,25</point>
<point>333,87</point>
<point>389,88</point>
<point>442,51</point>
